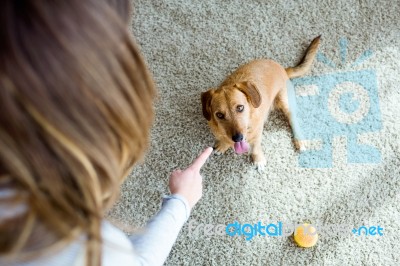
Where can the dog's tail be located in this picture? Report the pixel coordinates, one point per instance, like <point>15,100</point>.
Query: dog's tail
<point>304,66</point>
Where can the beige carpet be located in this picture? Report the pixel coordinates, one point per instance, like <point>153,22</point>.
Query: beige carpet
<point>191,46</point>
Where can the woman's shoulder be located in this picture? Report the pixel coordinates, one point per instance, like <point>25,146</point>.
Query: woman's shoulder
<point>117,250</point>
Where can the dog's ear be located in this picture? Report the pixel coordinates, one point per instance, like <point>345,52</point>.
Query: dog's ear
<point>251,92</point>
<point>206,102</point>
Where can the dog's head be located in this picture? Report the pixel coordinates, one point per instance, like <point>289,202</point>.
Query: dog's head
<point>229,109</point>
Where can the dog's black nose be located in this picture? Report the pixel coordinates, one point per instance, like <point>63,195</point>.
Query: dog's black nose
<point>237,137</point>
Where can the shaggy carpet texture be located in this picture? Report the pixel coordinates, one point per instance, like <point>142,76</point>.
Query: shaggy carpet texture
<point>191,46</point>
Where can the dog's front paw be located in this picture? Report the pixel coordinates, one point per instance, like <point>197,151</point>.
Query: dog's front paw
<point>259,161</point>
<point>300,145</point>
<point>260,166</point>
<point>220,148</point>
<point>217,152</point>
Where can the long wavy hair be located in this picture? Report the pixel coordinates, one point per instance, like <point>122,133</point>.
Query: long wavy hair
<point>75,112</point>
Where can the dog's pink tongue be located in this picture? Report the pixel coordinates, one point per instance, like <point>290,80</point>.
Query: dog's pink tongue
<point>241,147</point>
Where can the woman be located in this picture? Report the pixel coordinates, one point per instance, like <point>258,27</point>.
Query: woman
<point>76,108</point>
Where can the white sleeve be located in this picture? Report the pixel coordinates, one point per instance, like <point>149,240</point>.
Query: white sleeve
<point>153,245</point>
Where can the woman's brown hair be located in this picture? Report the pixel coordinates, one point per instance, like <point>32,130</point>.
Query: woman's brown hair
<point>75,112</point>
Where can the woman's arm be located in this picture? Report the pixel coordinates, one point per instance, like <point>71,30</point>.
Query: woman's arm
<point>153,245</point>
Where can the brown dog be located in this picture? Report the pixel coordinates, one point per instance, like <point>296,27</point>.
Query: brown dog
<point>237,110</point>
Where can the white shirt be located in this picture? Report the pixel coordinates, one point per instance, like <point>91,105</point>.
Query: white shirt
<point>151,247</point>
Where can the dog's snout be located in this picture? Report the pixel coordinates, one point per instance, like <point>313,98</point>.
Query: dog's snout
<point>237,137</point>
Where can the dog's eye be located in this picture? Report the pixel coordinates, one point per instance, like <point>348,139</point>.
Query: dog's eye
<point>240,108</point>
<point>220,115</point>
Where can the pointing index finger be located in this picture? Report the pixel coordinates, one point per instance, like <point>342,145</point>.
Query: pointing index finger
<point>201,159</point>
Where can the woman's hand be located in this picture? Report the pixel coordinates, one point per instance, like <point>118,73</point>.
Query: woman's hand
<point>188,182</point>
